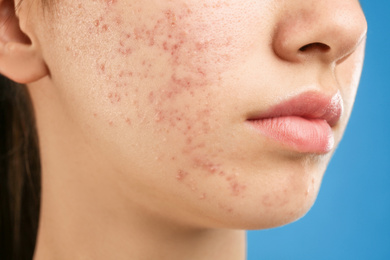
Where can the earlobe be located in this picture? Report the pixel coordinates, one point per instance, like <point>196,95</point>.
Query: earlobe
<point>21,63</point>
<point>20,59</point>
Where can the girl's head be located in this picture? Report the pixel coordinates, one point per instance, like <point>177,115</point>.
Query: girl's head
<point>156,105</point>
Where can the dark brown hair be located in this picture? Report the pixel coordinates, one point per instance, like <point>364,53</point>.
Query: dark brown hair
<point>19,173</point>
<point>20,170</point>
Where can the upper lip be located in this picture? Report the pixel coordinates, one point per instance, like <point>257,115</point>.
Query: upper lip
<point>309,105</point>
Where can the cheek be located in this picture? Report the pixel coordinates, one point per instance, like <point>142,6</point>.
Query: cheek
<point>151,72</point>
<point>163,64</point>
<point>172,61</point>
<point>157,51</point>
<point>188,44</point>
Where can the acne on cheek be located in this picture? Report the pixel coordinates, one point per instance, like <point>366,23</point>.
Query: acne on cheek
<point>194,40</point>
<point>195,59</point>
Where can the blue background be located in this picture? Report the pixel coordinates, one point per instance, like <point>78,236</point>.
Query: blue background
<point>351,217</point>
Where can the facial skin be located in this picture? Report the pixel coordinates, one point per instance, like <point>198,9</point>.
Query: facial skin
<point>144,110</point>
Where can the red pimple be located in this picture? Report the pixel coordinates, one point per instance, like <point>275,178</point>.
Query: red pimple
<point>118,20</point>
<point>110,2</point>
<point>128,121</point>
<point>138,33</point>
<point>227,208</point>
<point>96,23</point>
<point>235,187</point>
<point>201,71</point>
<point>181,175</point>
<point>159,116</point>
<point>102,68</point>
<point>181,82</point>
<point>203,196</point>
<point>125,51</point>
<point>165,46</point>
<point>206,165</point>
<point>151,97</point>
<point>171,17</point>
<point>114,97</point>
<point>123,73</point>
<point>105,28</point>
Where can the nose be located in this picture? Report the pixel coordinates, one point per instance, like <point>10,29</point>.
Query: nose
<point>320,30</point>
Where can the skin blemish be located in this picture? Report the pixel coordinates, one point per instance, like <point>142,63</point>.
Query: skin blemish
<point>236,189</point>
<point>275,200</point>
<point>206,165</point>
<point>225,208</point>
<point>125,51</point>
<point>128,121</point>
<point>114,97</point>
<point>110,3</point>
<point>181,175</point>
<point>102,68</point>
<point>203,196</point>
<point>118,21</point>
<point>96,23</point>
<point>151,97</point>
<point>104,27</point>
<point>125,74</point>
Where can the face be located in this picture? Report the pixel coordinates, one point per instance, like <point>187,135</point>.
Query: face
<point>176,99</point>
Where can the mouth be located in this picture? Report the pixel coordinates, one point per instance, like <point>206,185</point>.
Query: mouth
<point>303,123</point>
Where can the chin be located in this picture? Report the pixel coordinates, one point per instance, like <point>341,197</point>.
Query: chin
<point>282,199</point>
<point>271,216</point>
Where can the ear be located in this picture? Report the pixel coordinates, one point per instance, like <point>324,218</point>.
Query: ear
<point>20,59</point>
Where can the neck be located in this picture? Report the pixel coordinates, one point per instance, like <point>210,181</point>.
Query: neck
<point>74,227</point>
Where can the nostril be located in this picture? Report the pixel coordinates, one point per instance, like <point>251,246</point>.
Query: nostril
<point>315,46</point>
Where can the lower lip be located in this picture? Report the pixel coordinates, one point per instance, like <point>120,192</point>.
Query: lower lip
<point>300,134</point>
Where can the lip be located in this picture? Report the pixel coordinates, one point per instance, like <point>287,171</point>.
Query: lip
<point>302,123</point>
